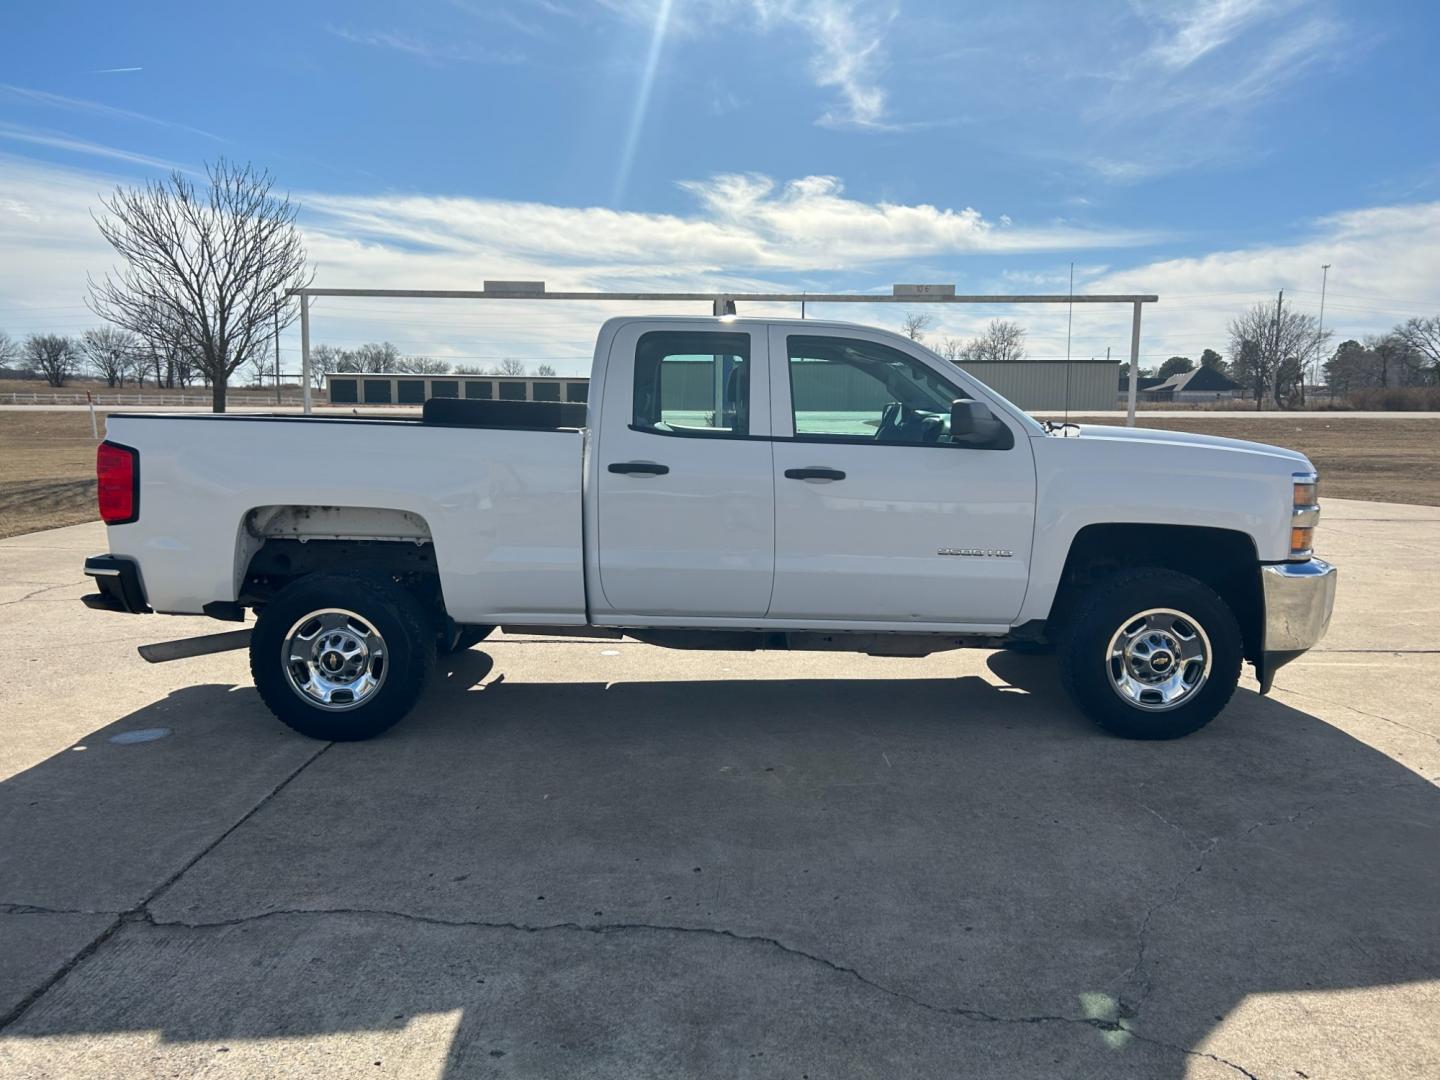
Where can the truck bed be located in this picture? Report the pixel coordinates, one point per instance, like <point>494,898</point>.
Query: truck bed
<point>501,504</point>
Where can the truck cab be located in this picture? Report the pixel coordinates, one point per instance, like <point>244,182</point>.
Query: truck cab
<point>800,475</point>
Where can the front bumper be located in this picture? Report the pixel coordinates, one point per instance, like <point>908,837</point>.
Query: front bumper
<point>1299,598</point>
<point>119,581</point>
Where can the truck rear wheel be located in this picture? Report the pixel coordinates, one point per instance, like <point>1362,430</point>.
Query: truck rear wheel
<point>1151,654</point>
<point>341,658</point>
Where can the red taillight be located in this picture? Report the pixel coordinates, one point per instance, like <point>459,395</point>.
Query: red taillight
<point>118,470</point>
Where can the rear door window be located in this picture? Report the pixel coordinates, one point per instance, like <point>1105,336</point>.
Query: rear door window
<point>693,383</point>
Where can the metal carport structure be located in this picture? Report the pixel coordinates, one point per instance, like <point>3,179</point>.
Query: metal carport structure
<point>723,303</point>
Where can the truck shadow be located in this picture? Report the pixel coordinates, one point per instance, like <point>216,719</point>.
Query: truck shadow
<point>720,877</point>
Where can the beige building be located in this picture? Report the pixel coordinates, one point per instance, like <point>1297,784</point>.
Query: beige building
<point>1051,385</point>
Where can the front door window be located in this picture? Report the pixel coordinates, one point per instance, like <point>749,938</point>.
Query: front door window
<point>850,390</point>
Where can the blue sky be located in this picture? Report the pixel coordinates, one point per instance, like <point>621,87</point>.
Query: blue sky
<point>1211,151</point>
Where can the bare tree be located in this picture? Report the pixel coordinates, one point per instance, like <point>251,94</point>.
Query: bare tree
<point>213,264</point>
<point>951,348</point>
<point>111,353</point>
<point>916,323</point>
<point>1400,365</point>
<point>53,356</point>
<point>470,369</point>
<point>1422,337</point>
<point>166,355</point>
<point>1264,341</point>
<point>1002,342</point>
<point>9,349</point>
<point>545,369</point>
<point>423,365</point>
<point>325,358</point>
<point>511,366</point>
<point>261,363</point>
<point>376,356</point>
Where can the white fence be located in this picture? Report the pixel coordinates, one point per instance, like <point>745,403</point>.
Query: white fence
<point>252,399</point>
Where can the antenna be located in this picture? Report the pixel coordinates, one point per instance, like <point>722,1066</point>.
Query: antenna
<point>1069,319</point>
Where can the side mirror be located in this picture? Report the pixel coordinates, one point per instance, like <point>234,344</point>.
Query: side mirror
<point>966,417</point>
<point>972,424</point>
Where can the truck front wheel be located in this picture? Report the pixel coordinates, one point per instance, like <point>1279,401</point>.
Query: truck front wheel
<point>341,658</point>
<point>1151,654</point>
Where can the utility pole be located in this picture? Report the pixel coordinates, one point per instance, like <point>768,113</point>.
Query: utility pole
<point>1275,356</point>
<point>1320,326</point>
<point>276,311</point>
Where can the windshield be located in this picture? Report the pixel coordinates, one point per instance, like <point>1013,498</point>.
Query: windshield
<point>1033,426</point>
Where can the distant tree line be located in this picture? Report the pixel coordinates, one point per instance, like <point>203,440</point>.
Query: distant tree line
<point>380,356</point>
<point>1275,352</point>
<point>116,356</point>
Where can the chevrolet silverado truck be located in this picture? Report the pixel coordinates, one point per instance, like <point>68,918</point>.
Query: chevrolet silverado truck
<point>731,484</point>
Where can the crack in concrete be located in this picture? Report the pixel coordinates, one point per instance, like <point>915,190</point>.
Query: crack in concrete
<point>1189,840</point>
<point>141,911</point>
<point>1362,712</point>
<point>845,970</point>
<point>141,914</point>
<point>39,909</point>
<point>37,592</point>
<point>1142,935</point>
<point>1383,652</point>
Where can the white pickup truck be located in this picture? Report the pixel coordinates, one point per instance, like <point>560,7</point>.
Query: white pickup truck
<point>732,484</point>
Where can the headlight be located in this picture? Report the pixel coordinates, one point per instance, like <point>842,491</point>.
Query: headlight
<point>1304,514</point>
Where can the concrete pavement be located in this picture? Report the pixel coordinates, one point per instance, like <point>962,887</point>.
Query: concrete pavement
<point>604,859</point>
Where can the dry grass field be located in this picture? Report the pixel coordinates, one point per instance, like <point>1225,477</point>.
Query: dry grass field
<point>47,459</point>
<point>47,470</point>
<point>1396,459</point>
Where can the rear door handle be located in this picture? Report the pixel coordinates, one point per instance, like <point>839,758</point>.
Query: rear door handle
<point>639,468</point>
<point>814,474</point>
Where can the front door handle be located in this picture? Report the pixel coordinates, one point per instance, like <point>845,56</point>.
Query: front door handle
<point>814,474</point>
<point>639,468</point>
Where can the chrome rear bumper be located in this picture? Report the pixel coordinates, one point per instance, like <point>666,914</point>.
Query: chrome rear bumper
<point>1299,598</point>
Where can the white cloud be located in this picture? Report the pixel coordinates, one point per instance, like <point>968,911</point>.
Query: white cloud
<point>59,141</point>
<point>427,51</point>
<point>850,56</point>
<point>847,37</point>
<point>95,108</point>
<point>1195,29</point>
<point>746,234</point>
<point>1384,261</point>
<point>746,222</point>
<point>1183,83</point>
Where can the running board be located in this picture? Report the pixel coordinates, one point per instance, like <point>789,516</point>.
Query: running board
<point>163,651</point>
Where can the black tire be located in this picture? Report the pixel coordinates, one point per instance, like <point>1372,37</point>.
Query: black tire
<point>408,655</point>
<point>468,637</point>
<point>1104,609</point>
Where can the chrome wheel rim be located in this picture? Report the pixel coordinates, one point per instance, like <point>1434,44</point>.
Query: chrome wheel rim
<point>334,659</point>
<point>1158,659</point>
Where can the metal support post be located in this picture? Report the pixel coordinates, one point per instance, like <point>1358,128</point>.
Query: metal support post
<point>1134,366</point>
<point>305,348</point>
